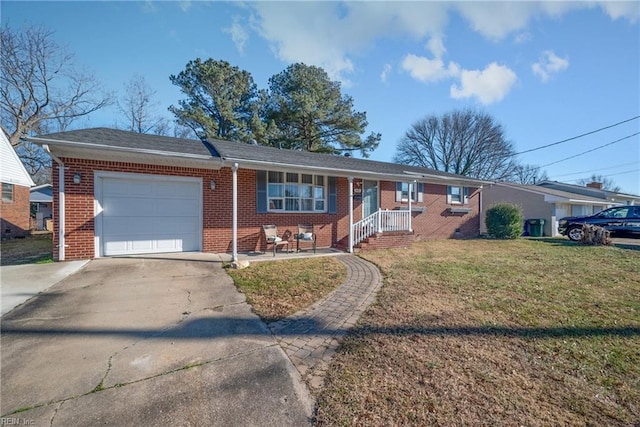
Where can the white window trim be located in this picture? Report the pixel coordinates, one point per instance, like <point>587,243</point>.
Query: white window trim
<point>464,195</point>
<point>13,196</point>
<point>417,195</point>
<point>324,186</point>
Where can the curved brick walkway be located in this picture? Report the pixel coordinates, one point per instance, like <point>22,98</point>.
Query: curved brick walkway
<point>311,336</point>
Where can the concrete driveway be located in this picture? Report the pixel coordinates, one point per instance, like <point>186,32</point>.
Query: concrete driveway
<point>134,341</point>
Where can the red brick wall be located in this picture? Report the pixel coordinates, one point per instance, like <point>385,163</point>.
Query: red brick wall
<point>331,229</point>
<point>15,215</point>
<point>436,222</point>
<point>217,207</point>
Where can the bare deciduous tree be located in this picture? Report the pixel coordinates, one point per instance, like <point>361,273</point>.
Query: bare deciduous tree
<point>41,89</point>
<point>138,104</point>
<point>466,142</point>
<point>527,174</point>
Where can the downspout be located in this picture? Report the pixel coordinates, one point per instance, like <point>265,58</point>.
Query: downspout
<point>61,203</point>
<point>481,213</point>
<point>409,203</point>
<point>234,238</point>
<point>350,248</point>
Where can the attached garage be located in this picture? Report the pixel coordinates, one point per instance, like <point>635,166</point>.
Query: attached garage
<point>142,214</point>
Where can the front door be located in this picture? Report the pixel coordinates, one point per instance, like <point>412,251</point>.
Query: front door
<point>369,197</point>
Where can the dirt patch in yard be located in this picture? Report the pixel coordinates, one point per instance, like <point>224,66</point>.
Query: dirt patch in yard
<point>36,248</point>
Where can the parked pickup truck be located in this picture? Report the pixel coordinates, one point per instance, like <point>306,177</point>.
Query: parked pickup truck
<point>620,221</point>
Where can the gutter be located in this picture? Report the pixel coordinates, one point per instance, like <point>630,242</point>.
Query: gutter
<point>62,143</point>
<point>61,203</point>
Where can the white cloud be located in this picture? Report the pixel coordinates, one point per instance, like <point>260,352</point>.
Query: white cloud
<point>436,47</point>
<point>328,34</point>
<point>622,9</point>
<point>332,34</point>
<point>428,70</point>
<point>489,85</point>
<point>549,64</point>
<point>239,34</point>
<point>185,5</point>
<point>385,72</point>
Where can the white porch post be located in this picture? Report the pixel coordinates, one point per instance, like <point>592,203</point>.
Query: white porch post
<point>61,213</point>
<point>234,238</point>
<point>409,205</point>
<point>350,248</point>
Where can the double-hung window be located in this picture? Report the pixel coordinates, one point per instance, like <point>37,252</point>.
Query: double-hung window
<point>402,191</point>
<point>296,192</point>
<point>457,195</point>
<point>7,192</point>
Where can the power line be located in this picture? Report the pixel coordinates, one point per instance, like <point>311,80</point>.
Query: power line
<point>589,151</point>
<point>576,137</point>
<point>595,170</point>
<point>611,174</point>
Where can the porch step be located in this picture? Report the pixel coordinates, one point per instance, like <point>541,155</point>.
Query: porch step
<point>387,240</point>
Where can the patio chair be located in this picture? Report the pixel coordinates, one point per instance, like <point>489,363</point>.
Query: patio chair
<point>273,239</point>
<point>305,234</point>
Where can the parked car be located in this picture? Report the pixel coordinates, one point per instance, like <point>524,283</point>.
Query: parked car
<point>620,221</point>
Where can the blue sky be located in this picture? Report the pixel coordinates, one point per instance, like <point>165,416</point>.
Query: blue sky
<point>545,71</point>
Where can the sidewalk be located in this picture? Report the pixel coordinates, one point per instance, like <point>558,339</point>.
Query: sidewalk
<point>19,283</point>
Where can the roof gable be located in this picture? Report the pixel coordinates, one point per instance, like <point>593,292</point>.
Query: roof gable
<point>12,171</point>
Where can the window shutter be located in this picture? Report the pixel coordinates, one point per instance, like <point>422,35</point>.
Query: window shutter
<point>465,192</point>
<point>448,194</point>
<point>333,205</point>
<point>261,191</point>
<point>398,191</point>
<point>420,191</point>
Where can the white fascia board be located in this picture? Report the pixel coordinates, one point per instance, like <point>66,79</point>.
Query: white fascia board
<point>448,180</point>
<point>264,165</point>
<point>555,199</point>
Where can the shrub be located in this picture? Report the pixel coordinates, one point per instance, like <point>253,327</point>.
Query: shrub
<point>504,221</point>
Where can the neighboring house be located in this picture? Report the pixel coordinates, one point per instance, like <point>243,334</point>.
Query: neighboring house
<point>119,192</point>
<point>14,208</point>
<point>41,199</point>
<point>593,189</point>
<point>539,202</point>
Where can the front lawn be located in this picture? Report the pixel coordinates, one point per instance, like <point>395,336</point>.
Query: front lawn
<point>488,332</point>
<point>33,249</point>
<point>280,288</point>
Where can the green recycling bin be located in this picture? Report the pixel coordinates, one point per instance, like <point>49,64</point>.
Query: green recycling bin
<point>536,227</point>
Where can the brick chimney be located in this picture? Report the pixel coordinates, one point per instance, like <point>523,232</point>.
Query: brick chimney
<point>596,185</point>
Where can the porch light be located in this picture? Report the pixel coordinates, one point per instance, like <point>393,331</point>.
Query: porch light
<point>77,178</point>
<point>212,185</point>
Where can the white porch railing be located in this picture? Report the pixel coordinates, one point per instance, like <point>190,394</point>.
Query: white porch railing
<point>379,222</point>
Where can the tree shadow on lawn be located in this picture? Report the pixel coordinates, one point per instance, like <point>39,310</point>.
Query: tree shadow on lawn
<point>221,327</point>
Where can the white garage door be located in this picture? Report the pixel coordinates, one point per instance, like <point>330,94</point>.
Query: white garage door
<point>139,214</point>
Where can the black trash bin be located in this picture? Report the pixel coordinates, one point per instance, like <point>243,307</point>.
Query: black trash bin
<point>536,227</point>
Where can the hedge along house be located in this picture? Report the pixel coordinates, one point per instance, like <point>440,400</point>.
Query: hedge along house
<point>119,193</point>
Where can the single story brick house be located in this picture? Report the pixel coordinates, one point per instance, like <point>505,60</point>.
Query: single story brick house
<point>16,181</point>
<point>118,192</point>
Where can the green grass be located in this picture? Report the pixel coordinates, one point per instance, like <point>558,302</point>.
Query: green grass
<point>493,333</point>
<point>34,249</point>
<point>280,288</point>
